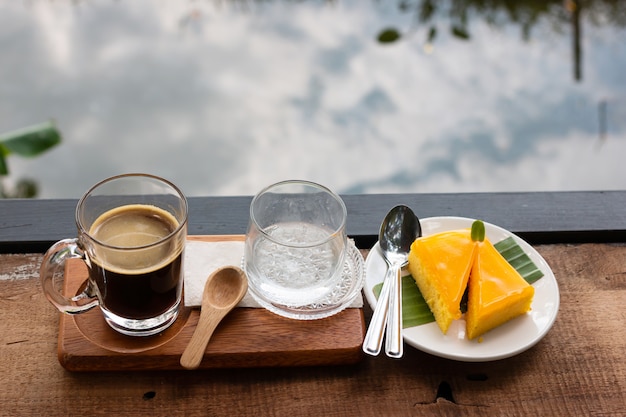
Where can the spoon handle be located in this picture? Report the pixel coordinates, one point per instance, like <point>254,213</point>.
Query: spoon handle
<point>194,352</point>
<point>393,339</point>
<point>374,336</point>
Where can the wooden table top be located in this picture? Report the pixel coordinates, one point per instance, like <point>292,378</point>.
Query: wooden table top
<point>579,368</point>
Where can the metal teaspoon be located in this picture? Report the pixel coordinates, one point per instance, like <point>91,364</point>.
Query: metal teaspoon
<point>398,230</point>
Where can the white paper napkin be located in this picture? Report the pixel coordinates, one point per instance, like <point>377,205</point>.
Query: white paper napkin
<point>202,258</point>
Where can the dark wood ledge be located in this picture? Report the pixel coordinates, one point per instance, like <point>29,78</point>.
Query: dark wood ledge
<point>538,217</point>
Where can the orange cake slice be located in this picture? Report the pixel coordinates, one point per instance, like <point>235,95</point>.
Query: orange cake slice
<point>497,292</point>
<point>441,264</point>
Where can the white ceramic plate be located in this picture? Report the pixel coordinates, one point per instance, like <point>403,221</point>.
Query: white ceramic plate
<point>502,342</point>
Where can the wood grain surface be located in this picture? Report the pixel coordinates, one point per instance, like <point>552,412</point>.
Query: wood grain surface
<point>578,369</point>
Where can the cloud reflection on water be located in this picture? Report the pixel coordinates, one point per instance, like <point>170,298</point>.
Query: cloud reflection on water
<point>224,100</point>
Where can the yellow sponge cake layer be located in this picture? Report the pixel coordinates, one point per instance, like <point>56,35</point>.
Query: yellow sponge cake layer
<point>497,292</point>
<point>441,264</point>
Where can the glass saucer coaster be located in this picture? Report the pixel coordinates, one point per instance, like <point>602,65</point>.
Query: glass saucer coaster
<point>340,298</point>
<point>95,329</point>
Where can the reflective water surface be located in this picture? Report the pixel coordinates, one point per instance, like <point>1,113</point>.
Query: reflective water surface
<point>364,96</point>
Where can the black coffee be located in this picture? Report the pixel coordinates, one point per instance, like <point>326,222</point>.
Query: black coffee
<point>137,278</point>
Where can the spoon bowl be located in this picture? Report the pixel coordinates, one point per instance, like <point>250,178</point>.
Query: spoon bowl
<point>223,290</point>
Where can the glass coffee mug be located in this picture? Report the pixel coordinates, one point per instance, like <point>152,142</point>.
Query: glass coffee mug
<point>131,236</point>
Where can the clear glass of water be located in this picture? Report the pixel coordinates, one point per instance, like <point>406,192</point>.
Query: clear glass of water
<point>295,247</point>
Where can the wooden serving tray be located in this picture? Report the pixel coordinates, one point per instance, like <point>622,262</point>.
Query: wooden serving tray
<point>247,337</point>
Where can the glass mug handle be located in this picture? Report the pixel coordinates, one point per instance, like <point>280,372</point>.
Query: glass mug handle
<point>52,265</point>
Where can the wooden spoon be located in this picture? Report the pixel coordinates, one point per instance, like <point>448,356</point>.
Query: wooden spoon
<point>224,288</point>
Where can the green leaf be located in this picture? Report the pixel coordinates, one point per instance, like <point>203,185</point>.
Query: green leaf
<point>516,256</point>
<point>388,36</point>
<point>3,163</point>
<point>478,231</point>
<point>415,311</point>
<point>30,141</point>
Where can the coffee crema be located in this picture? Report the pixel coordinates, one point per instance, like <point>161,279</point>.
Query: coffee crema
<point>138,272</point>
